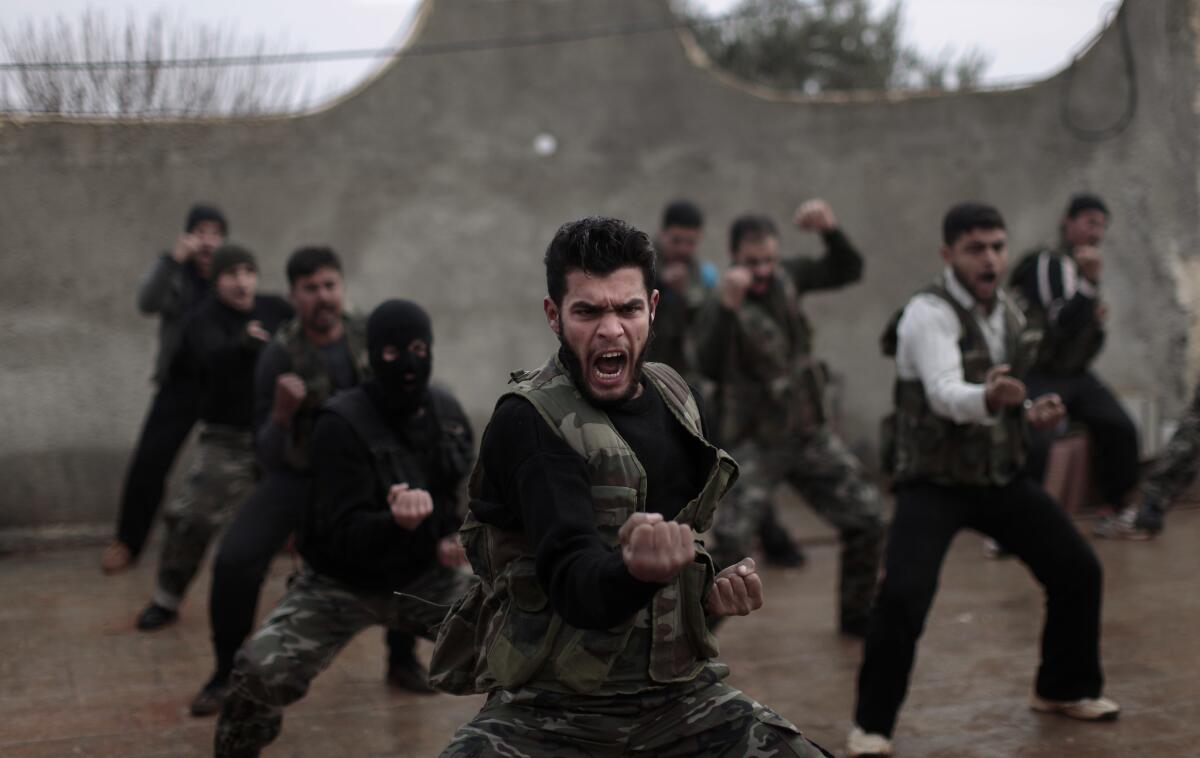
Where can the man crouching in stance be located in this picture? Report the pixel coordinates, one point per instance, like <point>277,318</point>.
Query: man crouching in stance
<point>957,458</point>
<point>588,629</point>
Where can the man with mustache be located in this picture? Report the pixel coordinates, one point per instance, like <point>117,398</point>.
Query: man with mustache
<point>756,344</point>
<point>1059,290</point>
<point>317,355</point>
<point>220,344</point>
<point>588,627</point>
<point>379,537</point>
<point>957,454</point>
<point>172,289</point>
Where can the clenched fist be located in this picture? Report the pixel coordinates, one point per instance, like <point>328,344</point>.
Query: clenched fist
<point>734,284</point>
<point>815,216</point>
<point>1087,259</point>
<point>409,507</point>
<point>736,591</point>
<point>185,247</point>
<point>1001,390</point>
<point>655,550</point>
<point>450,552</point>
<point>289,394</point>
<point>1045,412</point>
<point>256,331</point>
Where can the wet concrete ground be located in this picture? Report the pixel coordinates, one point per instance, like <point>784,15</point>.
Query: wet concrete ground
<point>77,679</point>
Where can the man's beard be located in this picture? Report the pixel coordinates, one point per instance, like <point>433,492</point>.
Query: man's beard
<point>969,286</point>
<point>574,369</point>
<point>320,325</point>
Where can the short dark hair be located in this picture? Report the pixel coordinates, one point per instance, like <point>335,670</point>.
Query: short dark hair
<point>306,261</point>
<point>199,213</point>
<point>966,217</point>
<point>596,245</point>
<point>751,227</point>
<point>683,213</point>
<point>1085,201</point>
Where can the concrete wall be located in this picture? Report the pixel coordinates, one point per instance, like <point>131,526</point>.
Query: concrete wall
<point>427,183</point>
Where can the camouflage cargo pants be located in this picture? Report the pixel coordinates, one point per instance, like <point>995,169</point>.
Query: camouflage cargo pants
<point>1177,467</point>
<point>314,620</point>
<point>221,477</point>
<point>834,483</point>
<point>701,718</point>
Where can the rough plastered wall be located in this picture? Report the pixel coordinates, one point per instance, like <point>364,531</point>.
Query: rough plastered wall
<point>428,184</point>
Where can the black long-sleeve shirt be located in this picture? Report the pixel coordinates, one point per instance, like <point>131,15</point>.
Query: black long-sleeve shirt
<point>534,481</point>
<point>217,350</point>
<point>349,532</point>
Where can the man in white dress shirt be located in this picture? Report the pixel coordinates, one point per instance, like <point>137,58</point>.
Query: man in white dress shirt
<point>957,455</point>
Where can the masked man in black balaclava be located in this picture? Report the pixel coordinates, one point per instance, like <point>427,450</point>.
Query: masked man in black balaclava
<point>379,541</point>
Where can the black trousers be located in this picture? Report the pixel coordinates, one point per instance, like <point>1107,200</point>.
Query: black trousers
<point>173,413</point>
<point>1023,518</point>
<point>1114,437</point>
<point>257,533</point>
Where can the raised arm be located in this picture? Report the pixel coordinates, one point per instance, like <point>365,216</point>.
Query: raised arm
<point>840,265</point>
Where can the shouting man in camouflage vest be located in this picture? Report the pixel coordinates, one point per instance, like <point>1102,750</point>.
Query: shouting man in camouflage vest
<point>756,343</point>
<point>379,538</point>
<point>957,454</point>
<point>588,628</point>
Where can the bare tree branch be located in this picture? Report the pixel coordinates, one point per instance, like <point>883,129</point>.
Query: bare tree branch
<point>153,87</point>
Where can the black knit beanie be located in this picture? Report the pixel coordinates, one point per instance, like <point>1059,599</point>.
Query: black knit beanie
<point>200,213</point>
<point>228,256</point>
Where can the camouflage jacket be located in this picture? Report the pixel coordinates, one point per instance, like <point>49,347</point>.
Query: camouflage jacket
<point>307,362</point>
<point>920,445</point>
<point>504,633</point>
<point>769,386</point>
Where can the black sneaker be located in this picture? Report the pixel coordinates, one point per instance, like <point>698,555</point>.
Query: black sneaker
<point>408,674</point>
<point>211,697</point>
<point>156,617</point>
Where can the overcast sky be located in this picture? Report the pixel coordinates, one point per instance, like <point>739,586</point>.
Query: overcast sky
<point>1025,39</point>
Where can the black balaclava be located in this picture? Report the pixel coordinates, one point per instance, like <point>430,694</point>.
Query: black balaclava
<point>397,323</point>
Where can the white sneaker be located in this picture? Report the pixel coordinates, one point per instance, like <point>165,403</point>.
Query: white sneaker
<point>1084,709</point>
<point>860,744</point>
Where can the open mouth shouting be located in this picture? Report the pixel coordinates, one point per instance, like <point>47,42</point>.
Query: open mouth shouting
<point>609,369</point>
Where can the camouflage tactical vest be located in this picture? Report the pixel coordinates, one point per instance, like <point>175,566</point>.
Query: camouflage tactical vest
<point>772,388</point>
<point>504,634</point>
<point>920,445</point>
<point>1058,356</point>
<point>307,362</point>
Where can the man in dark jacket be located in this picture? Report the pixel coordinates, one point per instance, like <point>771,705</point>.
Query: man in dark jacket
<point>219,347</point>
<point>379,540</point>
<point>1059,290</point>
<point>171,289</point>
